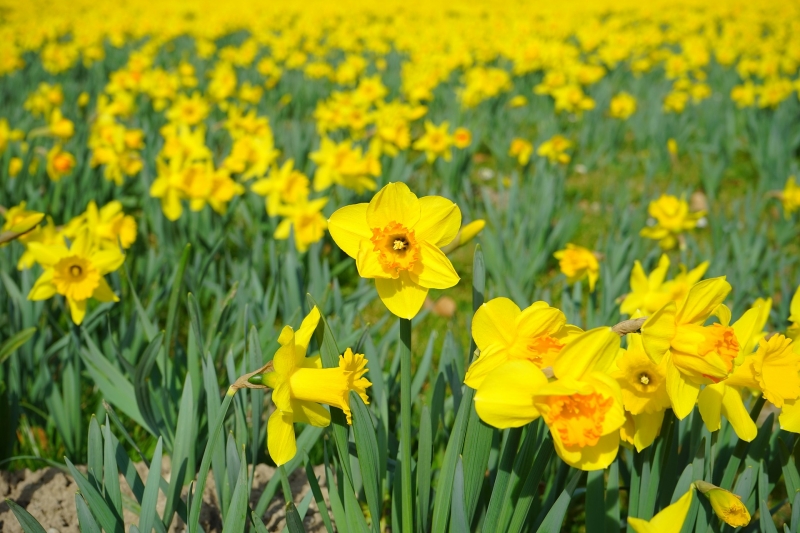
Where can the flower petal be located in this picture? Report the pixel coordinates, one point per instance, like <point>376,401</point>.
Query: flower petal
<point>435,271</point>
<point>439,222</point>
<point>790,416</point>
<point>401,296</point>
<point>311,413</point>
<point>648,426</point>
<point>702,299</point>
<point>394,203</point>
<point>104,293</point>
<point>505,398</point>
<point>658,331</point>
<point>682,392</point>
<point>107,260</point>
<point>595,457</point>
<point>592,351</point>
<point>734,410</point>
<point>489,359</point>
<point>709,402</point>
<point>47,255</point>
<point>367,262</point>
<point>77,309</point>
<point>493,323</point>
<point>538,321</point>
<point>348,227</point>
<point>281,442</point>
<point>303,335</point>
<point>43,288</point>
<point>672,517</point>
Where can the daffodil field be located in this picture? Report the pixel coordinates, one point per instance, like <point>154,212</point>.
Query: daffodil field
<point>460,266</point>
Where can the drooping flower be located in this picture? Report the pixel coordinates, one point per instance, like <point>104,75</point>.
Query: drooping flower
<point>396,239</point>
<point>668,520</point>
<point>577,262</point>
<point>727,505</point>
<point>672,219</point>
<point>503,333</point>
<point>301,384</point>
<point>75,272</point>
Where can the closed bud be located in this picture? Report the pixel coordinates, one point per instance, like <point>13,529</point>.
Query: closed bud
<point>727,505</point>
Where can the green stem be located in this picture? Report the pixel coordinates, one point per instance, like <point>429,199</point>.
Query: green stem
<point>287,490</point>
<point>405,425</point>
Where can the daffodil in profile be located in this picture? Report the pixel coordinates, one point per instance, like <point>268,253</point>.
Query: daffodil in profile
<point>668,520</point>
<point>76,272</point>
<point>396,239</point>
<point>300,387</point>
<point>18,222</point>
<point>503,332</point>
<point>726,505</point>
<point>697,354</point>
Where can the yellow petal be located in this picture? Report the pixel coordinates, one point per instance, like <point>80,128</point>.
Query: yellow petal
<point>435,271</point>
<point>281,442</point>
<point>648,426</point>
<point>749,327</point>
<point>639,282</point>
<point>592,351</point>
<point>537,321</point>
<point>348,227</point>
<point>107,260</point>
<point>285,359</point>
<point>658,332</point>
<point>682,392</point>
<point>734,410</point>
<point>367,262</point>
<point>47,255</point>
<point>311,413</point>
<point>709,402</point>
<point>77,309</point>
<point>303,335</point>
<point>439,222</point>
<point>493,323</point>
<point>505,398</point>
<point>394,203</point>
<point>104,293</point>
<point>702,299</point>
<point>493,356</point>
<point>43,288</point>
<point>596,457</point>
<point>790,416</point>
<point>669,520</point>
<point>401,296</point>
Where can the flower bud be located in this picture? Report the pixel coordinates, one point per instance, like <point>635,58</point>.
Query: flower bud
<point>727,505</point>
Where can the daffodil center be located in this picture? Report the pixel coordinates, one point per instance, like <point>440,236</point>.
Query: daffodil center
<point>75,277</point>
<point>721,340</point>
<point>543,350</point>
<point>644,379</point>
<point>396,246</point>
<point>578,419</point>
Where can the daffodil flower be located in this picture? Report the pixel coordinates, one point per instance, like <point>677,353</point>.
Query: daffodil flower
<point>582,407</point>
<point>793,332</point>
<point>643,384</point>
<point>668,520</point>
<point>577,262</point>
<point>726,505</point>
<point>301,384</point>
<point>503,333</point>
<point>75,272</point>
<point>396,239</point>
<point>651,292</point>
<point>18,222</point>
<point>697,354</point>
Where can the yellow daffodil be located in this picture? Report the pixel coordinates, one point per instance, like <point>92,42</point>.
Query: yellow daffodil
<point>19,220</point>
<point>284,186</point>
<point>651,292</point>
<point>727,505</point>
<point>622,106</point>
<point>47,235</point>
<point>672,218</point>
<point>555,149</point>
<point>59,163</point>
<point>396,239</point>
<point>301,384</point>
<point>668,520</point>
<point>521,150</point>
<point>644,391</point>
<point>462,138</point>
<point>503,333</point>
<point>582,407</point>
<point>435,142</point>
<point>107,227</point>
<point>576,262</point>
<point>465,235</point>
<point>305,219</point>
<point>14,166</point>
<point>790,197</point>
<point>75,272</point>
<point>698,354</point>
<point>61,126</point>
<point>345,165</point>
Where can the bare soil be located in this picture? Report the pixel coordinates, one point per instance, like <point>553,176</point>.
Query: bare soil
<point>49,495</point>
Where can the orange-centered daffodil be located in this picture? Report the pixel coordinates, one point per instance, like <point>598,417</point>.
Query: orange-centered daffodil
<point>396,239</point>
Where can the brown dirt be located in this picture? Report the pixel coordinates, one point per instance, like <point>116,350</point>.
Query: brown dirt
<point>49,495</point>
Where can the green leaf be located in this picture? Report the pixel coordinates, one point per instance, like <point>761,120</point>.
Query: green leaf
<point>500,488</point>
<point>86,521</point>
<point>14,342</point>
<point>236,517</point>
<point>183,463</point>
<point>458,516</point>
<point>790,475</point>
<point>555,517</point>
<point>529,489</point>
<point>318,498</point>
<point>367,447</point>
<point>174,297</point>
<point>107,517</point>
<point>28,523</point>
<point>475,458</point>
<point>149,515</point>
<point>110,470</point>
<point>595,502</point>
<point>424,459</point>
<point>612,498</point>
<point>95,460</point>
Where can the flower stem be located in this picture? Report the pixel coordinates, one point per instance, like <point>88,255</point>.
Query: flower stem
<point>405,426</point>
